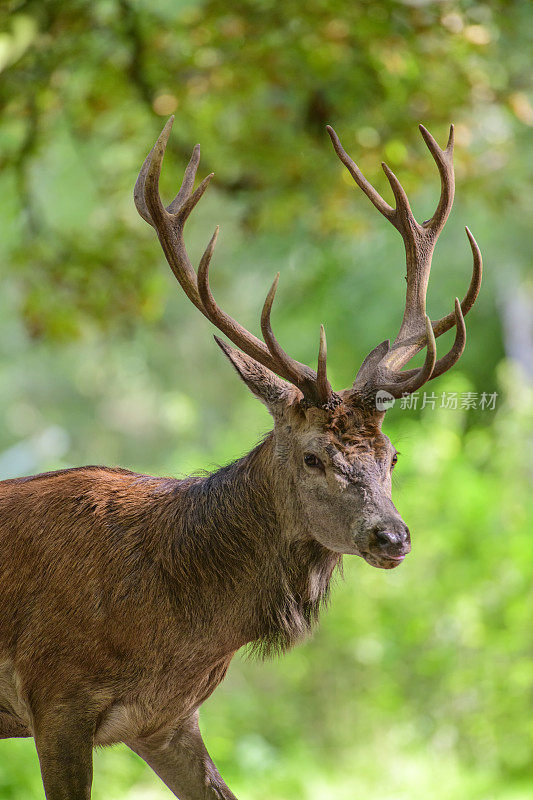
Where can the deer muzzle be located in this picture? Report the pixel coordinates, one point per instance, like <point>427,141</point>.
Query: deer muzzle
<point>388,543</point>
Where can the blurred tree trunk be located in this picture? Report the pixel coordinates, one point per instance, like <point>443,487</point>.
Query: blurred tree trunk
<point>517,317</point>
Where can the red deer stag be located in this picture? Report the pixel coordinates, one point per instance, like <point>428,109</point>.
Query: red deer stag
<point>124,597</point>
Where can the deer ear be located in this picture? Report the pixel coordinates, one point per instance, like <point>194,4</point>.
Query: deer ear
<point>273,391</point>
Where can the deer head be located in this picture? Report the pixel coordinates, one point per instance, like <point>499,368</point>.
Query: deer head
<point>335,461</point>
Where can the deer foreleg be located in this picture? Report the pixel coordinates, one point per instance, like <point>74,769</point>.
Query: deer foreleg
<point>64,741</point>
<point>184,765</point>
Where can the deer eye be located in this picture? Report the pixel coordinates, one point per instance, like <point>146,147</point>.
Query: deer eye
<point>310,460</point>
<point>394,460</point>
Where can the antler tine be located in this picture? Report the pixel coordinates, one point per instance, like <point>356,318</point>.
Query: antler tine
<point>382,206</point>
<point>457,349</point>
<point>138,192</point>
<point>442,325</point>
<point>151,181</point>
<point>302,376</point>
<point>241,337</point>
<point>323,385</point>
<point>187,183</point>
<point>146,191</point>
<point>402,213</point>
<point>289,365</point>
<point>444,162</point>
<point>169,223</point>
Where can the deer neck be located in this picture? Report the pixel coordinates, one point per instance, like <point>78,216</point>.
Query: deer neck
<point>238,542</point>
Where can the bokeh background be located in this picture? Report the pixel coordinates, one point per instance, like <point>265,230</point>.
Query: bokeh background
<point>419,681</point>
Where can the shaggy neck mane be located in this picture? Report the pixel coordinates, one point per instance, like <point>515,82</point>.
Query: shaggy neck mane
<point>249,576</point>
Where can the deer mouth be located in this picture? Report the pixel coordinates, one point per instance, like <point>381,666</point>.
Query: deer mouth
<point>382,561</point>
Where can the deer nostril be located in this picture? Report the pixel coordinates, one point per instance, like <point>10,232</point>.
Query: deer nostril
<point>385,537</point>
<point>393,537</point>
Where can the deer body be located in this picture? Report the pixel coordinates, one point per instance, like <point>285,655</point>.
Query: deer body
<point>123,597</point>
<point>142,589</point>
<point>150,582</point>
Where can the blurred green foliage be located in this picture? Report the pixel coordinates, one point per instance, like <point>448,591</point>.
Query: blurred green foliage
<point>418,682</point>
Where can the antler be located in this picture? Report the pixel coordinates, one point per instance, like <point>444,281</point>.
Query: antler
<point>169,223</point>
<point>381,368</point>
